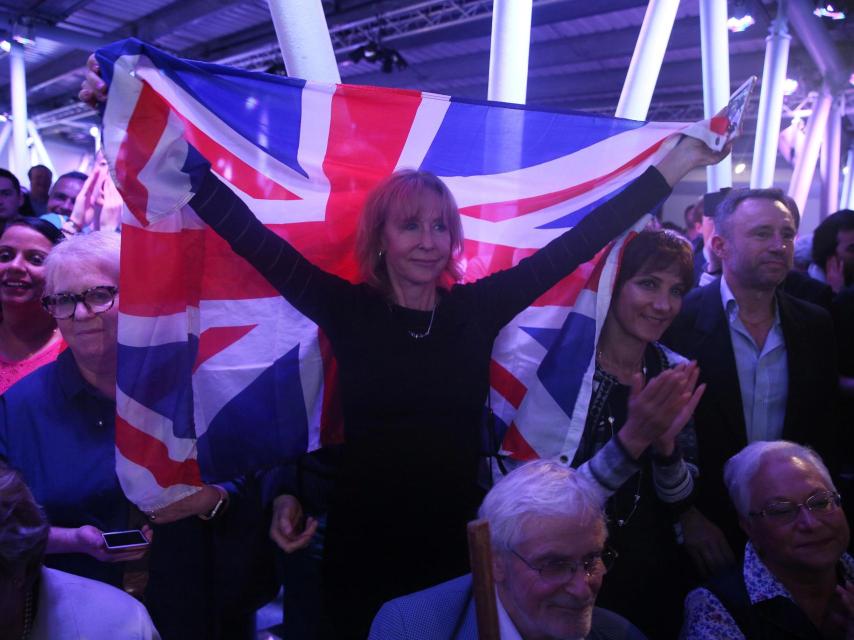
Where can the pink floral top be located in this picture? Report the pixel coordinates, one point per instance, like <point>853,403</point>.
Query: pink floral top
<point>706,618</point>
<point>11,372</point>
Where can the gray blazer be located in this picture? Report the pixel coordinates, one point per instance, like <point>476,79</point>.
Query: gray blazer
<point>446,612</point>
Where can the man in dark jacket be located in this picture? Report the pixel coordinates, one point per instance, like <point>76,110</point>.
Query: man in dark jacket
<point>768,358</point>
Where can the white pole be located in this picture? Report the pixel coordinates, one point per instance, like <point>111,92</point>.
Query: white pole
<point>646,60</point>
<point>846,197</point>
<point>304,40</point>
<point>509,49</point>
<point>38,145</point>
<point>19,110</point>
<point>831,151</point>
<point>714,49</point>
<point>802,175</point>
<point>4,135</point>
<point>770,102</point>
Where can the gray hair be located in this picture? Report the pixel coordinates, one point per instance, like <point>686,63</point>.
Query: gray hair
<point>740,470</point>
<point>23,526</point>
<point>538,488</point>
<point>726,209</point>
<point>97,249</point>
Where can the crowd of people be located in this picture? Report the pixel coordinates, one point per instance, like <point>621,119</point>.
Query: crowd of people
<point>706,472</point>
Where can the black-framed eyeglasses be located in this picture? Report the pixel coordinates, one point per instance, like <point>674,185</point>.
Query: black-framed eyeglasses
<point>786,511</point>
<point>96,299</point>
<point>560,571</point>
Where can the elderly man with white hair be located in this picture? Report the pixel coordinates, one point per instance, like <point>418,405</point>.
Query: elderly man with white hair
<point>549,559</point>
<point>796,579</point>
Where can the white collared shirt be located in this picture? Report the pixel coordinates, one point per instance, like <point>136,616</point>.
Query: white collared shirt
<point>763,374</point>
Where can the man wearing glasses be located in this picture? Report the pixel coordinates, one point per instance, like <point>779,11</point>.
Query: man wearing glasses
<point>796,579</point>
<point>549,559</point>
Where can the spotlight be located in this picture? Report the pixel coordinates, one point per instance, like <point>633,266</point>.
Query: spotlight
<point>790,85</point>
<point>388,59</point>
<point>94,131</point>
<point>737,25</point>
<point>740,168</point>
<point>831,10</point>
<point>5,45</point>
<point>739,17</point>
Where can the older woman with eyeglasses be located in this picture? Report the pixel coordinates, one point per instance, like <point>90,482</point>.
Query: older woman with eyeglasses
<point>796,579</point>
<point>57,424</point>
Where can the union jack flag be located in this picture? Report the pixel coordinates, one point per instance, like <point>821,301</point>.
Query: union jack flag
<point>217,373</point>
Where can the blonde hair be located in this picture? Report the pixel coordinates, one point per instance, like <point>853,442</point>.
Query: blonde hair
<point>410,192</point>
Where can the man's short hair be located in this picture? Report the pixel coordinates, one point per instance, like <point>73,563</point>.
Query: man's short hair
<point>73,175</point>
<point>40,166</point>
<point>726,209</point>
<point>826,234</point>
<point>536,489</point>
<point>11,177</point>
<point>740,470</point>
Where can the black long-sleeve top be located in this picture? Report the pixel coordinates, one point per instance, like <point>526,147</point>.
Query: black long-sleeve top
<point>412,407</point>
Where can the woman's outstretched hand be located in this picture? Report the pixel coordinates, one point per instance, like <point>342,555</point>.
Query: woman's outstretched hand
<point>688,154</point>
<point>660,410</point>
<point>93,90</point>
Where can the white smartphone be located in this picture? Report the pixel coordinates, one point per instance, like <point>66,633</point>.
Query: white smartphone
<point>125,540</point>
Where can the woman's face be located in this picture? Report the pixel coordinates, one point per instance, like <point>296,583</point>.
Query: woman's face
<point>22,255</point>
<point>416,247</point>
<point>815,540</point>
<point>648,302</point>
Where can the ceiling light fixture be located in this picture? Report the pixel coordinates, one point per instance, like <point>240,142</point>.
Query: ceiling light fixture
<point>790,85</point>
<point>830,10</point>
<point>739,17</point>
<point>388,59</point>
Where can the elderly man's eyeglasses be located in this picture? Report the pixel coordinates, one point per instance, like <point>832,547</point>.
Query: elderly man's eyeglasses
<point>95,299</point>
<point>560,571</point>
<point>786,511</point>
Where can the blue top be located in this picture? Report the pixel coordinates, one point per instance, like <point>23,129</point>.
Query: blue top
<point>59,432</point>
<point>763,373</point>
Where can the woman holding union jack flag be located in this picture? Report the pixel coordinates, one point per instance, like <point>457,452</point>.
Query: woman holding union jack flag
<point>413,360</point>
<point>413,348</point>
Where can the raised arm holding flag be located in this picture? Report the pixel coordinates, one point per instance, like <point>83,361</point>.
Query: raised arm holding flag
<point>279,169</point>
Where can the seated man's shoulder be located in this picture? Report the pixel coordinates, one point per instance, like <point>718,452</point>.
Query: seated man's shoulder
<point>424,614</point>
<point>608,625</point>
<point>72,607</point>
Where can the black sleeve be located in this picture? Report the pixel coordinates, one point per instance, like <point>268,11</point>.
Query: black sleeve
<point>314,292</point>
<point>505,294</point>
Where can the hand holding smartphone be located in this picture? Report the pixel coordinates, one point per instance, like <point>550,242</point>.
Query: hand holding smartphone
<point>129,540</point>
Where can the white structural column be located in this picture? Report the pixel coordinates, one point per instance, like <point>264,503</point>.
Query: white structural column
<point>38,146</point>
<point>18,81</point>
<point>831,151</point>
<point>846,197</point>
<point>508,55</point>
<point>646,60</point>
<point>771,102</point>
<point>304,40</point>
<point>802,175</point>
<point>714,48</point>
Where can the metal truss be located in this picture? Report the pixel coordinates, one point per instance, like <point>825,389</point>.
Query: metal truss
<point>419,18</point>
